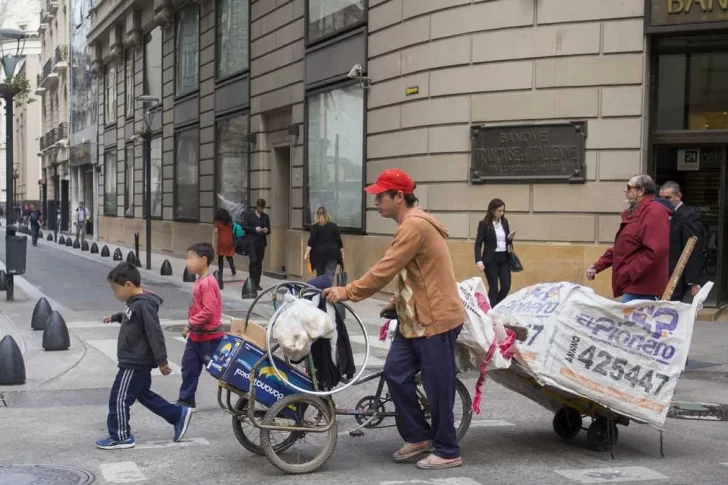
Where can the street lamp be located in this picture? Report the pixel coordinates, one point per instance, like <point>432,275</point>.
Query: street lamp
<point>149,104</point>
<point>12,44</point>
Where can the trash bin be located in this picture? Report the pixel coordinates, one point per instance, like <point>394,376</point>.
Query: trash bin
<point>17,249</point>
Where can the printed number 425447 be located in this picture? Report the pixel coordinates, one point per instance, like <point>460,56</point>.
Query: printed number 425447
<point>605,364</point>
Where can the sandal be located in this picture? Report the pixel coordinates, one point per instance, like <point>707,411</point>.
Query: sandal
<point>410,450</point>
<point>433,462</point>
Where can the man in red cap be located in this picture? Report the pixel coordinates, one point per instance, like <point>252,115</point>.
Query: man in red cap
<point>430,318</point>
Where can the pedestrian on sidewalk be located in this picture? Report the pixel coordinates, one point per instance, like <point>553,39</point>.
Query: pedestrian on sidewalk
<point>204,330</point>
<point>256,225</point>
<point>81,218</point>
<point>430,317</point>
<point>35,219</point>
<point>494,232</point>
<point>325,247</point>
<point>225,240</point>
<point>141,348</point>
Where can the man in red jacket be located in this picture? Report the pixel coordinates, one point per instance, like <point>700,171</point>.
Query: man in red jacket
<point>640,256</point>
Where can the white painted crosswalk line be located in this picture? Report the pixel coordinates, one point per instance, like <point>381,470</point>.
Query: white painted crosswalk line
<point>108,348</point>
<point>122,472</point>
<point>153,445</point>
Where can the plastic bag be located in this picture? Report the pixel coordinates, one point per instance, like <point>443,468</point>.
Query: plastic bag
<point>298,323</point>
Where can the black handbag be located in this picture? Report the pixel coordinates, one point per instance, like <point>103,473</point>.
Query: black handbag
<point>515,263</point>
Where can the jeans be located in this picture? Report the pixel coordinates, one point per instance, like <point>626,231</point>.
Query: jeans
<point>133,385</point>
<point>435,358</point>
<point>34,230</point>
<point>628,297</point>
<point>327,268</point>
<point>195,357</point>
<point>498,270</point>
<point>256,255</point>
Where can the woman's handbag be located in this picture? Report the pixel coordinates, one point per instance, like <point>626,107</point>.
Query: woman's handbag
<point>514,262</point>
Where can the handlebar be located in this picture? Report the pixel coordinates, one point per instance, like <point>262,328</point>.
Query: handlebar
<point>389,315</point>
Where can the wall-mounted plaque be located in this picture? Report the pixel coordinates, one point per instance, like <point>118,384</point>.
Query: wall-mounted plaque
<point>528,153</point>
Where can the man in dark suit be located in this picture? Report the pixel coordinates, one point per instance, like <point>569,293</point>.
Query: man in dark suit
<point>256,225</point>
<point>684,224</point>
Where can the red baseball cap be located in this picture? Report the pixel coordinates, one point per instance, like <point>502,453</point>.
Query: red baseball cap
<point>392,179</point>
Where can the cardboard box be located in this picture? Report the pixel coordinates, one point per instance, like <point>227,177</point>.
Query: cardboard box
<point>254,333</point>
<point>235,357</point>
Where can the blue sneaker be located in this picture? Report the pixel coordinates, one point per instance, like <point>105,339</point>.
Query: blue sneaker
<point>111,443</point>
<point>180,428</point>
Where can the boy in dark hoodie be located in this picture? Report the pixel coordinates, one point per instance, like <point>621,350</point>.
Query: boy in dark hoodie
<point>141,348</point>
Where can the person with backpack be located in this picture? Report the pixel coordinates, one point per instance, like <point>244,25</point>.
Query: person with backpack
<point>225,240</point>
<point>35,219</point>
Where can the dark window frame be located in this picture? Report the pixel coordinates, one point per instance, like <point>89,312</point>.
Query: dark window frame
<point>219,119</point>
<point>129,147</point>
<point>187,94</point>
<point>306,200</point>
<point>177,133</point>
<point>246,70</point>
<point>106,152</point>
<point>312,42</point>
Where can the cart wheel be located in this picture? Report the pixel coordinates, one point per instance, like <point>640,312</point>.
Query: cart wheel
<point>598,437</point>
<point>249,436</point>
<point>567,423</point>
<point>462,410</point>
<point>312,448</point>
<point>366,404</point>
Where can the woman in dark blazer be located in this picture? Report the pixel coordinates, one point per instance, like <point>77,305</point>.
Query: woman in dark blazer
<point>325,247</point>
<point>256,225</point>
<point>495,234</point>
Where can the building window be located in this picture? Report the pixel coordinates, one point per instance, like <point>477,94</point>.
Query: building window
<point>232,165</point>
<point>153,63</point>
<point>110,95</point>
<point>129,167</point>
<point>325,17</point>
<point>156,169</point>
<point>335,155</point>
<point>187,49</point>
<point>186,175</point>
<point>232,36</point>
<point>110,188</point>
<point>691,91</point>
<point>129,84</point>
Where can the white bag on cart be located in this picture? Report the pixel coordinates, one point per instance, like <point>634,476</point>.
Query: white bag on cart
<point>627,357</point>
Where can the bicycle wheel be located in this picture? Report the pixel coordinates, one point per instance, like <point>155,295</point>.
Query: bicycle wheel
<point>311,449</point>
<point>249,436</point>
<point>462,409</point>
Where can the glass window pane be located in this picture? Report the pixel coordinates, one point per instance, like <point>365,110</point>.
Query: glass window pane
<point>187,52</point>
<point>129,181</point>
<point>156,169</point>
<point>692,92</point>
<point>335,155</point>
<point>110,169</point>
<point>129,84</point>
<point>328,16</point>
<point>153,64</point>
<point>233,30</point>
<point>232,163</point>
<point>186,175</point>
<point>110,85</point>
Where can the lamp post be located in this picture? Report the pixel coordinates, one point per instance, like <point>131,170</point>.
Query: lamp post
<point>149,104</point>
<point>12,44</point>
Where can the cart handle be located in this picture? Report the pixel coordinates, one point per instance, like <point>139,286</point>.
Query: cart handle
<point>282,376</point>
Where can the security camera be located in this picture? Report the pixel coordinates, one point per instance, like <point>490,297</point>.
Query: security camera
<point>356,71</point>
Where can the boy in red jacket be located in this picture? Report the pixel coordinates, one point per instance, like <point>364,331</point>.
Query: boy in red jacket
<point>203,330</point>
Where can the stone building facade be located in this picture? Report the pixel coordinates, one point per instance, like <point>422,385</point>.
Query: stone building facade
<point>336,91</point>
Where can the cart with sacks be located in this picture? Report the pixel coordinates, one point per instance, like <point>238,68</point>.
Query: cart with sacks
<point>588,357</point>
<point>276,380</point>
